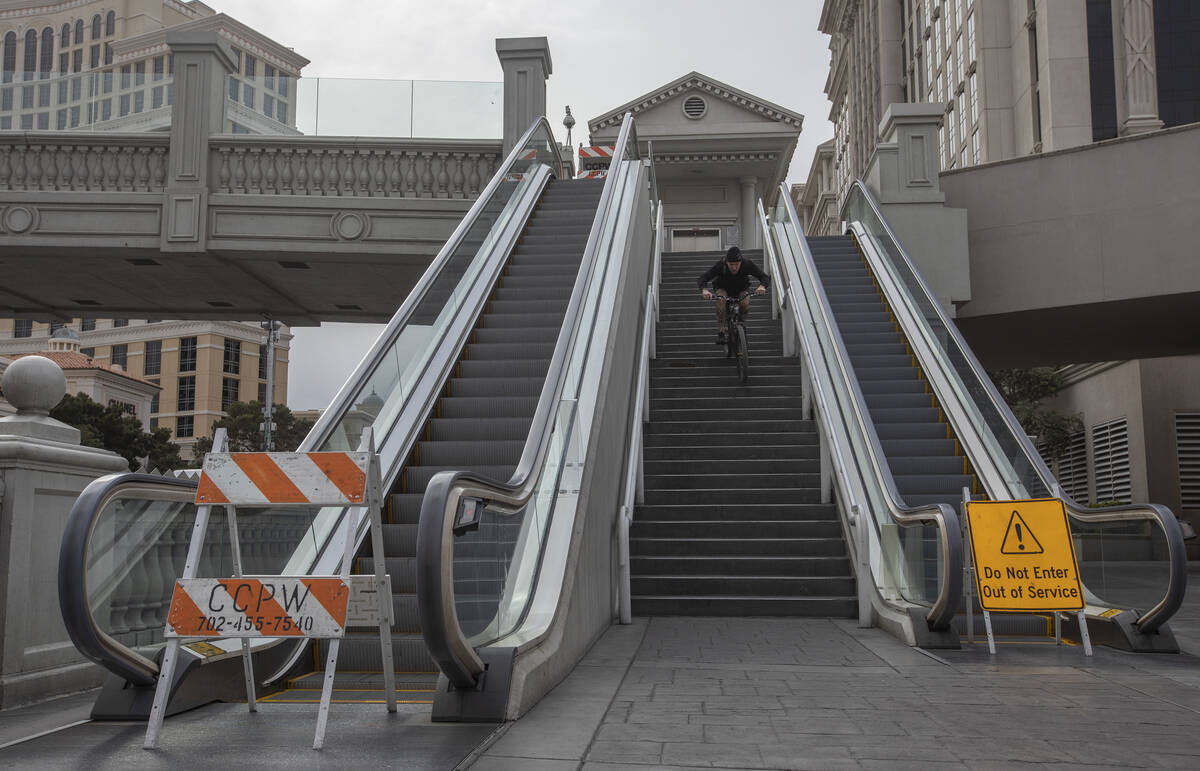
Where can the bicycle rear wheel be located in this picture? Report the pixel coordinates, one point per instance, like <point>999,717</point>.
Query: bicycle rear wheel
<point>743,352</point>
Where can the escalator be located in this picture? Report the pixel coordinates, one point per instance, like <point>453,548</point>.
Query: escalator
<point>456,382</point>
<point>479,423</point>
<point>913,421</point>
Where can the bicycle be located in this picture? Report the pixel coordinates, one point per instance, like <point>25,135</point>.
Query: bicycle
<point>736,346</point>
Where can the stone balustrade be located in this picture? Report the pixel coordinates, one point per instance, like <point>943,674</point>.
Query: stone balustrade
<point>403,168</point>
<point>83,161</point>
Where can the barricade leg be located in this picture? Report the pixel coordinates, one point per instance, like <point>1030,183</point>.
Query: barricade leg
<point>161,693</point>
<point>235,547</point>
<point>326,693</point>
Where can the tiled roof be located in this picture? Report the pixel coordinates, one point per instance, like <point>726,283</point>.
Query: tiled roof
<point>74,360</point>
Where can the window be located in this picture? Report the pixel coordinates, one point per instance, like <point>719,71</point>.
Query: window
<point>47,50</point>
<point>249,67</point>
<point>94,56</point>
<point>120,355</point>
<point>976,157</point>
<point>108,54</point>
<point>262,362</point>
<point>262,393</point>
<point>126,72</point>
<point>77,60</point>
<point>78,31</point>
<point>96,27</point>
<point>87,325</point>
<point>1110,454</point>
<point>283,84</point>
<point>139,101</point>
<point>158,68</point>
<point>110,23</point>
<point>106,109</point>
<point>185,400</point>
<point>229,392</point>
<point>106,81</point>
<point>44,95</point>
<point>31,41</point>
<point>64,62</point>
<point>268,105</point>
<point>156,97</point>
<point>233,88</point>
<point>154,399</point>
<point>120,322</point>
<point>89,352</point>
<point>268,76</point>
<point>139,73</point>
<point>6,99</point>
<point>23,328</point>
<point>10,56</point>
<point>281,113</point>
<point>124,105</point>
<point>187,354</point>
<point>248,96</point>
<point>1187,447</point>
<point>55,326</point>
<point>153,363</point>
<point>65,38</point>
<point>185,426</point>
<point>233,357</point>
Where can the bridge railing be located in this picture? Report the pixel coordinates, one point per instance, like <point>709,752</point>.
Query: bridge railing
<point>396,168</point>
<point>83,161</point>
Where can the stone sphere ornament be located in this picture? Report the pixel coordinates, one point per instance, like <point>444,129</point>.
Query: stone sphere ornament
<point>34,385</point>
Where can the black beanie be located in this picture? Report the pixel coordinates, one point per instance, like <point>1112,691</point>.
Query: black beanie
<point>733,255</point>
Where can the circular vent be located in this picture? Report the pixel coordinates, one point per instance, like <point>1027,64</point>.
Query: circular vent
<point>694,107</point>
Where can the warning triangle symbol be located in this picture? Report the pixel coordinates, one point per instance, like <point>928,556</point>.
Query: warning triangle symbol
<point>1019,539</point>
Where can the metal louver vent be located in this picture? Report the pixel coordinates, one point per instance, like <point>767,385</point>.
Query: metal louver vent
<point>1070,469</point>
<point>694,107</point>
<point>1187,446</point>
<point>1110,449</point>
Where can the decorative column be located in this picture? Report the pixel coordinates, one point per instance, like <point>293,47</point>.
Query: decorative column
<point>202,62</point>
<point>526,63</point>
<point>1134,67</point>
<point>750,236</point>
<point>42,471</point>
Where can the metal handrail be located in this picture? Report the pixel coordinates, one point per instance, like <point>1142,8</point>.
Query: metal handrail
<point>1176,549</point>
<point>81,625</point>
<point>442,509</point>
<point>942,515</point>
<point>89,637</point>
<point>634,491</point>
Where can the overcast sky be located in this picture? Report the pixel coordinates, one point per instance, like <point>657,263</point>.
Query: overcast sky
<point>604,55</point>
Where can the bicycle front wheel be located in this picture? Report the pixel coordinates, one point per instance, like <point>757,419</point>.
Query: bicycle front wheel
<point>743,353</point>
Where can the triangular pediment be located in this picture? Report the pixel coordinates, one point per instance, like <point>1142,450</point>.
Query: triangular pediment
<point>711,88</point>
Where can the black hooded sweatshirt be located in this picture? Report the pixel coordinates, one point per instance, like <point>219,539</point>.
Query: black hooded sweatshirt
<point>733,284</point>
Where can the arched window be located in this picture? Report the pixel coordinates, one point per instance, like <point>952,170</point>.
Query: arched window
<point>110,23</point>
<point>96,27</point>
<point>10,56</point>
<point>78,31</point>
<point>47,50</point>
<point>31,51</point>
<point>66,36</point>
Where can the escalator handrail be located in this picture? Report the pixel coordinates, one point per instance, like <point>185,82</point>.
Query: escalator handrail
<point>89,637</point>
<point>343,400</point>
<point>445,491</point>
<point>942,515</point>
<point>1176,549</point>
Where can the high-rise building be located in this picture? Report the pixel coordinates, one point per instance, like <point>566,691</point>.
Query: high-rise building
<point>1016,76</point>
<point>201,366</point>
<point>96,65</point>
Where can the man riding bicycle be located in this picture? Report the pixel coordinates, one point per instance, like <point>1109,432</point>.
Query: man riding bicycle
<point>730,277</point>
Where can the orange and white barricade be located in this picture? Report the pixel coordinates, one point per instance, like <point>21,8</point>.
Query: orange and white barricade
<point>594,161</point>
<point>281,606</point>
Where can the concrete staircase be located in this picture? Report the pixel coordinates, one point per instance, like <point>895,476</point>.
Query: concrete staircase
<point>732,524</point>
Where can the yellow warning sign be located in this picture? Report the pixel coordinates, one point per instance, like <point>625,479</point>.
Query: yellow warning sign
<point>1023,556</point>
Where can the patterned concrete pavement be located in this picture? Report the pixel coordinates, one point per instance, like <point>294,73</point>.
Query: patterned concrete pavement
<point>684,693</point>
